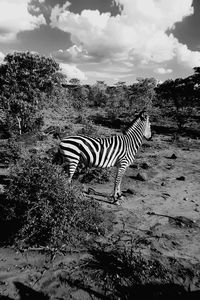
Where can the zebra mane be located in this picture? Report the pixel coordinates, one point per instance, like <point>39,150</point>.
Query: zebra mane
<point>141,115</point>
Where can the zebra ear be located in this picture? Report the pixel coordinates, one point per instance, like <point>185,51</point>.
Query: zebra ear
<point>143,114</point>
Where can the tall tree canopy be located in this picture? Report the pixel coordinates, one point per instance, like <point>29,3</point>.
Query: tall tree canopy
<point>179,98</point>
<point>25,79</point>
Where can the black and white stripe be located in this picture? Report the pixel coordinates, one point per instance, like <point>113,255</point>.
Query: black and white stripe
<point>117,150</point>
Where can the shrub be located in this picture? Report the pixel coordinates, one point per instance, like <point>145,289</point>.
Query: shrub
<point>45,210</point>
<point>128,273</point>
<point>10,152</point>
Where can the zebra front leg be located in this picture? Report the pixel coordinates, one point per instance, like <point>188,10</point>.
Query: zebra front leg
<point>117,187</point>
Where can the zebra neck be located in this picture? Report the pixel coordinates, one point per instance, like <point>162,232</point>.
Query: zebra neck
<point>138,127</point>
<point>136,132</point>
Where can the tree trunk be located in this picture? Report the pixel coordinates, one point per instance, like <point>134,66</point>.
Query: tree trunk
<point>19,125</point>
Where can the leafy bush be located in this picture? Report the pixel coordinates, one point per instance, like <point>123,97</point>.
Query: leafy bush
<point>45,210</point>
<point>10,152</point>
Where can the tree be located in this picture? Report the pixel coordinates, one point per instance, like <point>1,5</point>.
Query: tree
<point>141,93</point>
<point>98,94</point>
<point>26,79</point>
<point>194,81</point>
<point>176,99</point>
<point>74,81</point>
<point>120,83</point>
<point>78,95</point>
<point>118,100</point>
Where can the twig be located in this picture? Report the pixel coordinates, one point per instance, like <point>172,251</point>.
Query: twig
<point>186,221</point>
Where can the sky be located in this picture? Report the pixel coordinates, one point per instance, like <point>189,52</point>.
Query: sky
<point>106,40</point>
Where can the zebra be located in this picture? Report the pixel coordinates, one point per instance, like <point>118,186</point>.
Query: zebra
<point>116,150</point>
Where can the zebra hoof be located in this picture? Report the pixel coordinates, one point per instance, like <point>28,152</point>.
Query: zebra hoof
<point>116,202</point>
<point>117,198</point>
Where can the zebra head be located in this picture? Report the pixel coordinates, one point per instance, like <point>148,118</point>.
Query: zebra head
<point>147,130</point>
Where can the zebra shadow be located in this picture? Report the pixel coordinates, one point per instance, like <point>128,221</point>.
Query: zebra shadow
<point>106,198</point>
<point>97,196</point>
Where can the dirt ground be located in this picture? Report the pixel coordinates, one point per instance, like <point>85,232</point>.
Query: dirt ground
<point>170,187</point>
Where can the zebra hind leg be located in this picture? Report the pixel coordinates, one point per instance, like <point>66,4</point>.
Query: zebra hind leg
<point>72,165</point>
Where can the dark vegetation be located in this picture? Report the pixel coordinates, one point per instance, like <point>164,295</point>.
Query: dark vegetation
<point>45,210</point>
<point>37,206</point>
<point>116,271</point>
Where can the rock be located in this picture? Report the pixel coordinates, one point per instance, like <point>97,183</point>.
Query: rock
<point>173,156</point>
<point>145,165</point>
<point>131,191</point>
<point>181,178</point>
<point>142,176</point>
<point>165,195</point>
<point>134,166</point>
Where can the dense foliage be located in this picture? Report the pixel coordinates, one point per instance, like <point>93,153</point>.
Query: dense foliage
<point>44,209</point>
<point>25,79</point>
<point>178,99</point>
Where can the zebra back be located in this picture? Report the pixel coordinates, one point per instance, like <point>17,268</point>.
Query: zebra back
<point>108,151</point>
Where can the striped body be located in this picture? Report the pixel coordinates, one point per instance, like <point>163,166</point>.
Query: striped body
<point>98,152</point>
<point>117,150</point>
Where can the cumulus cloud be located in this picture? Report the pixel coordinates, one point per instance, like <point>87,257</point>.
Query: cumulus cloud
<point>187,57</point>
<point>73,54</point>
<point>163,71</point>
<point>160,13</point>
<point>138,35</point>
<point>15,17</point>
<point>71,71</point>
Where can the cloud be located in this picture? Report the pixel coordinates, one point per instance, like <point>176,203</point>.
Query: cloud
<point>153,12</point>
<point>73,54</point>
<point>187,57</point>
<point>72,71</point>
<point>163,71</point>
<point>44,7</point>
<point>96,33</point>
<point>15,17</point>
<point>137,36</point>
